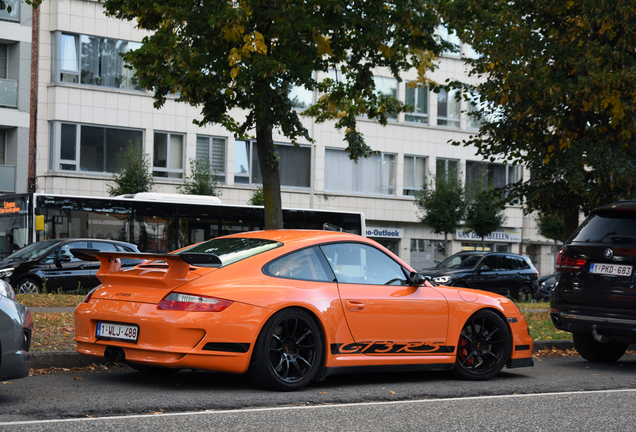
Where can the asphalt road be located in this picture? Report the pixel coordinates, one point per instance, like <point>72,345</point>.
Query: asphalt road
<point>576,393</point>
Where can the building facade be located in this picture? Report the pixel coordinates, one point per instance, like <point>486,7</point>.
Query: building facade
<point>89,106</point>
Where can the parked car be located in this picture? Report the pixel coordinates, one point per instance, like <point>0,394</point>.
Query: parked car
<point>290,306</point>
<point>15,335</point>
<point>503,273</point>
<point>595,296</point>
<point>51,264</point>
<point>546,283</point>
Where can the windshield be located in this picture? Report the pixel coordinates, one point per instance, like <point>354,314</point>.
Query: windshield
<point>461,262</point>
<point>231,250</point>
<point>35,250</point>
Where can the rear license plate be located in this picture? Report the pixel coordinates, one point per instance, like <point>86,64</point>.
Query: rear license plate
<point>611,269</point>
<point>124,332</point>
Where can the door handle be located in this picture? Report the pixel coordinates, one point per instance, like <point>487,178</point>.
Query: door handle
<point>354,305</point>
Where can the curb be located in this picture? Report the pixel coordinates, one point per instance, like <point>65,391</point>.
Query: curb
<point>71,359</point>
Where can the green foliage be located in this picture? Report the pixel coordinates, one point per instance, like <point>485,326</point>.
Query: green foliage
<point>551,226</point>
<point>257,197</point>
<point>558,95</point>
<point>133,171</point>
<point>247,55</point>
<point>201,181</point>
<point>33,3</point>
<point>485,211</point>
<point>442,205</point>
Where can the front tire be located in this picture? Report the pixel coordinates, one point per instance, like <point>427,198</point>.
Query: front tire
<point>483,348</point>
<point>598,352</point>
<point>28,286</point>
<point>288,352</point>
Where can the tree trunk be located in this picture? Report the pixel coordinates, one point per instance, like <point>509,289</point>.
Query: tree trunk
<point>268,163</point>
<point>570,222</point>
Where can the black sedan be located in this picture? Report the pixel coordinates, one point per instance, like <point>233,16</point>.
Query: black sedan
<point>15,335</point>
<point>503,273</point>
<point>51,265</point>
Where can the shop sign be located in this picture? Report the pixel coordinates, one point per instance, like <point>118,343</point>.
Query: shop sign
<point>504,235</point>
<point>396,233</point>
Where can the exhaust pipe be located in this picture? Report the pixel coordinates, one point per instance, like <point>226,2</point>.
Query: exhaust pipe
<point>114,354</point>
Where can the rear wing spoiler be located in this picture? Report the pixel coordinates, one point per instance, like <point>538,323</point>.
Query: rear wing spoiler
<point>178,264</point>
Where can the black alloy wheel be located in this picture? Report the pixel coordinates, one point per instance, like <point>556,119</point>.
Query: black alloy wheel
<point>483,348</point>
<point>598,352</point>
<point>288,352</point>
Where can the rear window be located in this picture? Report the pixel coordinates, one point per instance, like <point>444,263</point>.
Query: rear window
<point>231,250</point>
<point>608,227</point>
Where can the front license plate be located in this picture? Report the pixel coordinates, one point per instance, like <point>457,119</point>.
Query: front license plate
<point>124,332</point>
<point>611,269</point>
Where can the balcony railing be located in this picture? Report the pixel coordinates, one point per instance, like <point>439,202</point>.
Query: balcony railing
<point>14,15</point>
<point>8,93</point>
<point>7,178</point>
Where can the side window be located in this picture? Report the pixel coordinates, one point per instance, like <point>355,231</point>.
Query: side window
<point>362,264</point>
<point>65,251</point>
<point>509,262</point>
<point>522,263</point>
<point>491,262</point>
<point>304,265</point>
<point>104,247</point>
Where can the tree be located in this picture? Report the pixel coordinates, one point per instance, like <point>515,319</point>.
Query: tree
<point>557,93</point>
<point>133,171</point>
<point>551,227</point>
<point>248,54</point>
<point>442,205</point>
<point>257,196</point>
<point>201,180</point>
<point>485,211</point>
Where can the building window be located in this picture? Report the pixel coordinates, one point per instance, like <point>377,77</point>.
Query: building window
<point>447,108</point>
<point>93,61</point>
<point>294,164</point>
<point>87,148</point>
<point>414,174</point>
<point>212,149</point>
<point>417,97</point>
<point>386,86</point>
<point>497,175</point>
<point>372,175</point>
<point>446,167</point>
<point>473,106</point>
<point>449,36</point>
<point>300,97</point>
<point>168,155</point>
<point>14,15</point>
<point>4,61</point>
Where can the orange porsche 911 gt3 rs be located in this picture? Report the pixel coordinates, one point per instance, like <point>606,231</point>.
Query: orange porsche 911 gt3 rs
<point>287,307</point>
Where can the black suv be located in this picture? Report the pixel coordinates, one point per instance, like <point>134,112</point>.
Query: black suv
<point>503,273</point>
<point>594,297</point>
<point>51,264</point>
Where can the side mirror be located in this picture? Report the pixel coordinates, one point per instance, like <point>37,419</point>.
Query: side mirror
<point>484,268</point>
<point>416,279</point>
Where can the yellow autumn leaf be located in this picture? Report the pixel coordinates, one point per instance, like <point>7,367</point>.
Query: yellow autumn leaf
<point>323,45</point>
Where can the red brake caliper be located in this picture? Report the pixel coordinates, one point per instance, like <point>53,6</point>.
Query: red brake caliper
<point>463,352</point>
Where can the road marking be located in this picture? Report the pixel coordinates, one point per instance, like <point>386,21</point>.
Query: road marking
<point>327,406</point>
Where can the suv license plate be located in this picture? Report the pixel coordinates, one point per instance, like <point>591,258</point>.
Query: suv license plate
<point>611,269</point>
<point>117,331</point>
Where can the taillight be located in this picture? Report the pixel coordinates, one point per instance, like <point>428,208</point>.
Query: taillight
<point>565,263</point>
<point>89,295</point>
<point>192,303</point>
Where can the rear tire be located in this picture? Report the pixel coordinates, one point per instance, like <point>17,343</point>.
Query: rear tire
<point>288,352</point>
<point>523,292</point>
<point>598,352</point>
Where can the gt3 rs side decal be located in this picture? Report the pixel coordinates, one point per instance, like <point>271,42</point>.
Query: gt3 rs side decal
<point>389,347</point>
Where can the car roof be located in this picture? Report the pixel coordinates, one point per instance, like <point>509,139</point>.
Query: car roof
<point>626,205</point>
<point>300,237</point>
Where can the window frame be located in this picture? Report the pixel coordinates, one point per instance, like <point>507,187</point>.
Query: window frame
<point>167,170</point>
<point>446,166</point>
<point>4,60</point>
<point>55,157</point>
<point>447,121</point>
<point>252,157</point>
<point>412,116</point>
<point>414,174</point>
<point>219,173</point>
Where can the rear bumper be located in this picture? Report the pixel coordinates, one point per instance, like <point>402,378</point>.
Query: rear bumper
<point>616,328</point>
